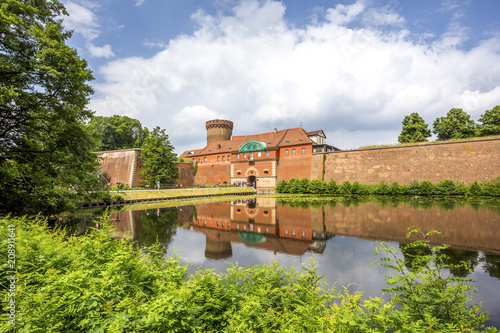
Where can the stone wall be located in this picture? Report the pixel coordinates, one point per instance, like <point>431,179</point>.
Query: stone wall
<point>124,166</point>
<point>465,161</point>
<point>211,174</point>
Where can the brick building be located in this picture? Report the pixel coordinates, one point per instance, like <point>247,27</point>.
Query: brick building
<point>258,159</point>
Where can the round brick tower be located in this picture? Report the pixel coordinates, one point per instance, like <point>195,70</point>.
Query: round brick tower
<point>219,130</point>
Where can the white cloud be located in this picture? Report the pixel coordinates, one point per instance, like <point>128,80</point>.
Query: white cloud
<point>103,51</point>
<point>84,21</point>
<point>139,2</point>
<point>252,68</point>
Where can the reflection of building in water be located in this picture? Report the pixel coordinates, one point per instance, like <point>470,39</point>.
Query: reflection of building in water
<point>257,223</point>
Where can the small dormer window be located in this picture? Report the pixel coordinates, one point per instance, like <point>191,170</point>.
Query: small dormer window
<point>218,146</point>
<point>300,140</point>
<point>287,141</point>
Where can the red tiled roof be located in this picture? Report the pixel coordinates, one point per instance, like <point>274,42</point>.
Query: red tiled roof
<point>287,137</point>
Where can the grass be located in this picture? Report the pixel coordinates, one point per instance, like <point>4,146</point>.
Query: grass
<point>429,142</point>
<point>152,194</point>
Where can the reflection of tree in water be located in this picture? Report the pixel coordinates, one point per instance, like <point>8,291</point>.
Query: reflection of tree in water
<point>492,264</point>
<point>162,224</point>
<point>455,256</point>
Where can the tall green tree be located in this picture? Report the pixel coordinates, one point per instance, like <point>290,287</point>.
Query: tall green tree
<point>490,122</point>
<point>414,129</point>
<point>46,150</point>
<point>456,125</point>
<point>158,158</point>
<point>118,132</point>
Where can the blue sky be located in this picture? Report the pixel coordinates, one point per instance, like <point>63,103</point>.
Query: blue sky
<point>352,68</point>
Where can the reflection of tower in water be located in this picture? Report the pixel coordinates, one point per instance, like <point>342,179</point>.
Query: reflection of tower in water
<point>218,250</point>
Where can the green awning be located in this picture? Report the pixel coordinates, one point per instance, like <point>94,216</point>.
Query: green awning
<point>250,146</point>
<point>252,239</point>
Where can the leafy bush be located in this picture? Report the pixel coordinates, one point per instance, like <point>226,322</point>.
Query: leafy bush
<point>332,187</point>
<point>446,187</point>
<point>382,188</point>
<point>281,186</point>
<point>345,188</point>
<point>94,283</point>
<point>317,186</point>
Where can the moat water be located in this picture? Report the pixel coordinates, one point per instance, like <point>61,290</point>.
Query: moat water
<point>340,234</point>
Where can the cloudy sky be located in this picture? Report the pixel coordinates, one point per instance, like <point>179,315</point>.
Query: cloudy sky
<point>352,68</point>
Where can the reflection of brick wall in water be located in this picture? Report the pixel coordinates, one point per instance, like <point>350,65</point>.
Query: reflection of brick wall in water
<point>465,161</point>
<point>462,226</point>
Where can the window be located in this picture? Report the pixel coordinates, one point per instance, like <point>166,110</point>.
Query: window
<point>251,155</point>
<point>205,159</point>
<point>266,172</point>
<point>244,155</point>
<point>303,150</point>
<point>267,230</point>
<point>204,222</point>
<point>303,234</point>
<point>259,154</point>
<point>218,158</point>
<point>237,227</point>
<point>267,153</point>
<point>228,157</point>
<point>258,230</point>
<point>293,233</point>
<point>286,232</point>
<point>193,159</point>
<point>238,156</point>
<point>286,152</point>
<point>293,151</point>
<point>223,226</point>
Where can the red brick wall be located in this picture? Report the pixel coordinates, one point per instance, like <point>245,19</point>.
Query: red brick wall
<point>465,161</point>
<point>213,173</point>
<point>118,165</point>
<point>298,165</point>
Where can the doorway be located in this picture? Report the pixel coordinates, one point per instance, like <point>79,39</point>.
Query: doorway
<point>252,181</point>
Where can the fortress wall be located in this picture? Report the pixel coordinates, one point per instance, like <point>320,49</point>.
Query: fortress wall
<point>126,165</point>
<point>118,164</point>
<point>212,174</point>
<point>299,167</point>
<point>465,161</point>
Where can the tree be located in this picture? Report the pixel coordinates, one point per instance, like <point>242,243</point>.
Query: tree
<point>46,150</point>
<point>118,132</point>
<point>490,122</point>
<point>414,129</point>
<point>456,125</point>
<point>158,158</point>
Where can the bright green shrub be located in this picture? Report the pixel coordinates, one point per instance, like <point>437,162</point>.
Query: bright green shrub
<point>382,188</point>
<point>303,185</point>
<point>427,188</point>
<point>359,189</point>
<point>475,189</point>
<point>293,185</point>
<point>94,283</point>
<point>317,186</point>
<point>446,187</point>
<point>345,188</point>
<point>281,187</point>
<point>332,187</point>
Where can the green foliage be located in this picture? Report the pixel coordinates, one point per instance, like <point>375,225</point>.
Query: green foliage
<point>317,186</point>
<point>429,298</point>
<point>382,188</point>
<point>490,122</point>
<point>332,187</point>
<point>195,168</point>
<point>281,187</point>
<point>345,188</point>
<point>303,185</point>
<point>158,158</point>
<point>46,150</point>
<point>118,132</point>
<point>414,129</point>
<point>94,283</point>
<point>456,125</point>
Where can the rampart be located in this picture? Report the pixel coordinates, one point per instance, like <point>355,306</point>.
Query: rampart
<point>464,161</point>
<point>124,166</point>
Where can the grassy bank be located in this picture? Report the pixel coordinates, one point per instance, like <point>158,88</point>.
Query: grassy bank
<point>94,283</point>
<point>153,194</point>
